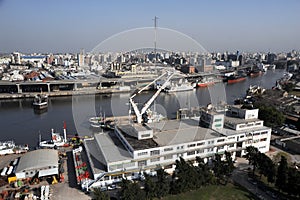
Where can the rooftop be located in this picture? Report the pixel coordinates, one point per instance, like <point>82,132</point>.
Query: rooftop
<point>111,147</point>
<point>174,132</point>
<point>236,120</point>
<point>228,132</point>
<point>133,141</point>
<point>38,159</point>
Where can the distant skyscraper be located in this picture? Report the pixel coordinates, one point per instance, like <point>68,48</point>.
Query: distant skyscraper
<point>81,58</point>
<point>16,58</point>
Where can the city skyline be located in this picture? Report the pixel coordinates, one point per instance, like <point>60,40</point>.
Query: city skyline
<point>69,26</point>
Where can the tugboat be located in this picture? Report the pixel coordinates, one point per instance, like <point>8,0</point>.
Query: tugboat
<point>56,140</point>
<point>40,102</point>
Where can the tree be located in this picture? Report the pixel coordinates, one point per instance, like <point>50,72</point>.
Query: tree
<point>252,157</point>
<point>149,187</point>
<point>282,174</point>
<point>204,173</point>
<point>293,182</point>
<point>131,191</point>
<point>218,168</point>
<point>162,185</point>
<point>271,116</point>
<point>99,195</point>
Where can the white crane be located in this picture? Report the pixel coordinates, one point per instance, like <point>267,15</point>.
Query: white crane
<point>139,114</point>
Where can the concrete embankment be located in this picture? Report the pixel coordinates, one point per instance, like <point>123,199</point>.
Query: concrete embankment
<point>62,93</point>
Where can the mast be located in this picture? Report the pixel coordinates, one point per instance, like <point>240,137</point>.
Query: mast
<point>155,35</point>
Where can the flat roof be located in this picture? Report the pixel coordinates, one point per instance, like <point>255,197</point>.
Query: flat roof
<point>136,144</point>
<point>172,132</point>
<point>111,147</point>
<point>96,158</point>
<point>236,120</point>
<point>38,159</point>
<point>229,132</point>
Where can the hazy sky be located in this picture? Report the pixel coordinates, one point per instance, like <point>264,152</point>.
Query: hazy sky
<point>218,25</point>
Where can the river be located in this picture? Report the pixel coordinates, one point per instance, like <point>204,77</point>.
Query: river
<point>18,121</point>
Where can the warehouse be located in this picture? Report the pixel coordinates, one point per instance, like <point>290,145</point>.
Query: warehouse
<point>39,163</point>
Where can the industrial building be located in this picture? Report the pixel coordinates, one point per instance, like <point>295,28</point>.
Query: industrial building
<point>135,148</point>
<point>39,163</point>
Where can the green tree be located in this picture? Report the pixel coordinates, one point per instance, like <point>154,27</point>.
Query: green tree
<point>131,191</point>
<point>271,116</point>
<point>218,168</point>
<point>293,182</point>
<point>150,186</point>
<point>99,195</point>
<point>204,173</point>
<point>162,185</point>
<point>252,157</point>
<point>282,174</point>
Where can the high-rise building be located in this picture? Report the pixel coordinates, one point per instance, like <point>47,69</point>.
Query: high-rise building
<point>81,58</point>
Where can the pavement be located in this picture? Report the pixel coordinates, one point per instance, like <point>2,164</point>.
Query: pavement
<point>68,189</point>
<point>240,176</point>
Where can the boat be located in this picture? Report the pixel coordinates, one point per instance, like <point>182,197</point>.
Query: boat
<point>9,147</point>
<point>205,83</point>
<point>235,79</point>
<point>179,87</point>
<point>40,102</point>
<point>56,140</point>
<point>254,73</point>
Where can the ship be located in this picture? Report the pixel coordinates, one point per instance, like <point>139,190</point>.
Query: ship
<point>40,102</point>
<point>205,82</point>
<point>179,87</point>
<point>254,73</point>
<point>9,147</point>
<point>56,140</point>
<point>235,79</point>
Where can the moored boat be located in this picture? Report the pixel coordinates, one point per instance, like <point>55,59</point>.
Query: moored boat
<point>40,102</point>
<point>56,140</point>
<point>235,79</point>
<point>9,147</point>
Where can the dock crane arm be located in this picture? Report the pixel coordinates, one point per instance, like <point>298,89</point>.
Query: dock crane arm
<point>150,101</point>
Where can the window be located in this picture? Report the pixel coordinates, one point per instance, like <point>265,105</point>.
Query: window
<point>218,125</point>
<point>258,123</point>
<point>168,149</point>
<point>191,145</point>
<point>241,136</point>
<point>264,132</point>
<point>218,120</point>
<point>200,143</point>
<point>154,152</point>
<point>154,159</point>
<point>256,133</point>
<point>168,157</point>
<point>262,147</point>
<point>190,153</point>
<point>145,135</point>
<point>143,153</point>
<point>200,151</point>
<point>263,139</point>
<point>221,140</point>
<point>231,145</point>
<point>142,163</point>
<point>231,138</point>
<point>211,142</point>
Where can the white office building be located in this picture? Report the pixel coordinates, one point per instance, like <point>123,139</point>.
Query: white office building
<point>135,148</point>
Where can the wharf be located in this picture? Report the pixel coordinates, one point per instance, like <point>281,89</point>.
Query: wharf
<point>86,91</point>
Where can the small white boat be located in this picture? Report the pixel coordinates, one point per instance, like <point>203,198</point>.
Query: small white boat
<point>56,140</point>
<point>40,102</point>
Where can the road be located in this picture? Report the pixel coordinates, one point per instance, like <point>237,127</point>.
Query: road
<point>240,176</point>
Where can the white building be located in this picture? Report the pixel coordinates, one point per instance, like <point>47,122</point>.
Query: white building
<point>132,149</point>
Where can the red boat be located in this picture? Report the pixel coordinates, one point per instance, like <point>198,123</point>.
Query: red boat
<point>235,79</point>
<point>255,73</point>
<point>205,84</point>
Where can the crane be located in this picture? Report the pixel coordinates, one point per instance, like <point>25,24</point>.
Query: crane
<point>140,114</point>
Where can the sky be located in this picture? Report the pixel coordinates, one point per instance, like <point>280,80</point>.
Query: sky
<point>61,26</point>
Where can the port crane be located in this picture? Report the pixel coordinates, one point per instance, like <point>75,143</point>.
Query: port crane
<point>141,116</point>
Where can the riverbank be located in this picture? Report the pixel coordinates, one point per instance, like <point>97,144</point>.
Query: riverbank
<point>85,91</point>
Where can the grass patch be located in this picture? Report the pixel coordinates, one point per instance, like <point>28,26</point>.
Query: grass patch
<point>214,192</point>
